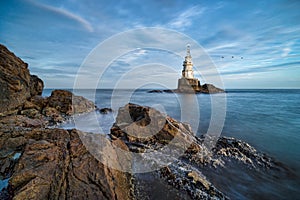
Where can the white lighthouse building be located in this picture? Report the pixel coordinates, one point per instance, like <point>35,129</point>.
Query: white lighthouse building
<point>187,71</point>
<point>188,83</point>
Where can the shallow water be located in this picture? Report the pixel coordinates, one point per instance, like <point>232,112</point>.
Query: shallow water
<point>269,120</point>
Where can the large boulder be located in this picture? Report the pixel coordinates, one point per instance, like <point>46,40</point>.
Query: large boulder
<point>68,104</point>
<point>210,89</point>
<point>54,164</point>
<point>146,130</point>
<point>16,83</point>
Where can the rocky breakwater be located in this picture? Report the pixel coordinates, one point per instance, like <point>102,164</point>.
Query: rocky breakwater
<point>181,167</point>
<point>38,162</point>
<point>206,89</point>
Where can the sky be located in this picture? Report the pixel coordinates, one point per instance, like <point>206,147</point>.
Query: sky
<point>250,44</point>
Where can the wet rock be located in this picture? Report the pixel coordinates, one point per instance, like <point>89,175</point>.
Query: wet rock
<point>197,178</point>
<point>227,147</point>
<point>168,91</point>
<point>105,110</point>
<point>191,180</point>
<point>155,91</point>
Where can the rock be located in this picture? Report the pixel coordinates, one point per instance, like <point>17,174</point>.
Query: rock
<point>14,81</point>
<point>144,130</point>
<point>31,113</point>
<point>130,127</point>
<point>36,85</point>
<point>242,152</point>
<point>38,102</point>
<point>210,89</point>
<point>169,91</point>
<point>155,91</point>
<point>188,179</point>
<point>196,178</point>
<point>69,104</point>
<point>105,110</point>
<point>206,88</point>
<point>15,121</point>
<point>55,164</point>
<point>30,105</point>
<point>56,108</point>
<point>42,163</point>
<point>52,115</point>
<point>142,124</point>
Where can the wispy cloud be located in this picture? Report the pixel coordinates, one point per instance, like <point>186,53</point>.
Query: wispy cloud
<point>185,19</point>
<point>66,13</point>
<point>266,68</point>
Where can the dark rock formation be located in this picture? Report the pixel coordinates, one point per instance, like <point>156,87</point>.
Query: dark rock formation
<point>206,89</point>
<point>155,91</point>
<point>20,93</point>
<point>105,110</point>
<point>14,82</point>
<point>210,89</point>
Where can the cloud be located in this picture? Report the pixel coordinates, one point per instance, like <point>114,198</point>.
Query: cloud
<point>286,51</point>
<point>185,19</point>
<point>274,67</point>
<point>65,13</point>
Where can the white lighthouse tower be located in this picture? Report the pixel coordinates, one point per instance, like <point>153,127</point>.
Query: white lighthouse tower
<point>188,83</point>
<point>187,71</point>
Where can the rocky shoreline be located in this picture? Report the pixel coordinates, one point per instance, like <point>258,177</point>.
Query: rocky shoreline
<point>185,171</point>
<point>39,162</point>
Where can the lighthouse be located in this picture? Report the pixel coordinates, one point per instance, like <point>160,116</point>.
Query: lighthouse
<point>187,71</point>
<point>187,82</point>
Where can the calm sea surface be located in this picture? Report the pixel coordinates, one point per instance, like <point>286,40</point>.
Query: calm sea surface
<point>269,120</point>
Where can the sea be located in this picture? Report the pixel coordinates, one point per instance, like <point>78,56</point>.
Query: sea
<point>267,119</point>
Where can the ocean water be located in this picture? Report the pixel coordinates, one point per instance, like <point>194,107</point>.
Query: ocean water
<point>269,120</point>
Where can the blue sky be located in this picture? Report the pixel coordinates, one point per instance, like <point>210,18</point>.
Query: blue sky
<point>55,37</point>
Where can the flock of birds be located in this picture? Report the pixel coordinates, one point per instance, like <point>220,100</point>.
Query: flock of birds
<point>231,57</point>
